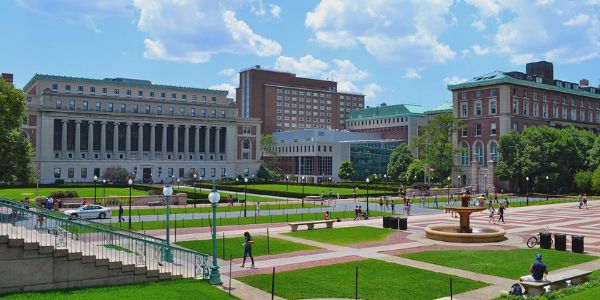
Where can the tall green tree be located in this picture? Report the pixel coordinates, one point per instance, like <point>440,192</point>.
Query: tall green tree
<point>415,171</point>
<point>346,171</point>
<point>435,144</point>
<point>583,180</point>
<point>268,153</point>
<point>400,159</point>
<point>15,149</point>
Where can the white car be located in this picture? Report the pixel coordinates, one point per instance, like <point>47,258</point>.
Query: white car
<point>89,212</point>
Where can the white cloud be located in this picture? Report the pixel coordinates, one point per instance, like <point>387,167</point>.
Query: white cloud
<point>371,90</point>
<point>228,72</point>
<point>346,71</point>
<point>225,87</point>
<point>275,10</point>
<point>405,32</point>
<point>479,25</point>
<point>454,79</point>
<point>192,31</point>
<point>257,7</point>
<point>480,50</point>
<point>412,74</point>
<point>306,66</point>
<point>532,30</point>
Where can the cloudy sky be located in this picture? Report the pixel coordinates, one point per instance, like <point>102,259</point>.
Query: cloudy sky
<point>392,51</point>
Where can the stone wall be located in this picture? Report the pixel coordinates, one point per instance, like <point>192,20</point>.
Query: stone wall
<point>180,199</point>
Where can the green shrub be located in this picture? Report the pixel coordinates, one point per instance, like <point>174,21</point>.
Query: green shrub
<point>63,194</point>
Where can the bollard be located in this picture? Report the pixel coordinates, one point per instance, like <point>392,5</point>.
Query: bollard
<point>223,245</point>
<point>451,288</point>
<point>273,285</point>
<point>356,284</point>
<point>268,244</point>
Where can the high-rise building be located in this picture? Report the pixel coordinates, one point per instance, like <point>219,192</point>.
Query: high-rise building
<point>499,102</point>
<point>285,102</point>
<point>79,127</point>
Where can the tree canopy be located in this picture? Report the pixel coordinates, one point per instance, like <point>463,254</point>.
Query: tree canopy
<point>400,159</point>
<point>346,171</point>
<point>15,148</point>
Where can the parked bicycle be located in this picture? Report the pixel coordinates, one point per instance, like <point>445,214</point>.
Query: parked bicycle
<point>535,240</point>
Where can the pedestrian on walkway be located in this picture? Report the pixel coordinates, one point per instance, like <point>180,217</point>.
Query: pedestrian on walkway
<point>408,205</point>
<point>492,213</point>
<point>356,213</point>
<point>585,200</point>
<point>360,213</point>
<point>248,241</point>
<point>121,213</point>
<point>435,200</point>
<point>393,206</point>
<point>354,194</point>
<point>580,201</point>
<point>380,203</point>
<point>387,202</point>
<point>258,208</point>
<point>501,213</point>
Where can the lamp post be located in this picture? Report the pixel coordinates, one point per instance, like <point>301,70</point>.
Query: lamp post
<point>168,191</point>
<point>303,180</point>
<point>485,184</point>
<point>385,186</point>
<point>200,178</point>
<point>459,182</point>
<point>287,190</point>
<point>178,179</point>
<point>367,180</point>
<point>527,188</point>
<point>236,191</point>
<point>215,277</point>
<point>95,181</point>
<point>104,187</point>
<point>130,182</point>
<point>194,183</point>
<point>448,199</point>
<point>547,185</point>
<point>245,194</point>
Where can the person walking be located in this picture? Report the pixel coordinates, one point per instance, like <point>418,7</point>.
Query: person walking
<point>580,201</point>
<point>356,213</point>
<point>248,241</point>
<point>393,206</point>
<point>258,208</point>
<point>501,213</point>
<point>381,203</point>
<point>585,201</point>
<point>121,213</point>
<point>408,205</point>
<point>360,213</point>
<point>435,200</point>
<point>492,211</point>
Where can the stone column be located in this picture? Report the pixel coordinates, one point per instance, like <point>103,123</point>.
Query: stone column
<point>140,140</point>
<point>115,140</point>
<point>175,141</point>
<point>207,140</point>
<point>128,141</point>
<point>152,141</point>
<point>186,142</point>
<point>164,141</point>
<point>63,146</point>
<point>103,140</point>
<point>218,143</point>
<point>196,142</point>
<point>90,139</point>
<point>77,139</point>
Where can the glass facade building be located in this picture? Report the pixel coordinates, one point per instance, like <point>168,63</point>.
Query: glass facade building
<point>371,157</point>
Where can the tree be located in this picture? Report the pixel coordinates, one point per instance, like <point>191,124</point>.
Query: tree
<point>435,144</point>
<point>268,153</point>
<point>15,148</point>
<point>400,159</point>
<point>583,180</point>
<point>267,174</point>
<point>117,174</point>
<point>415,171</point>
<point>596,180</point>
<point>346,171</point>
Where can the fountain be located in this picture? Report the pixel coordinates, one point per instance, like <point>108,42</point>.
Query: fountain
<point>464,233</point>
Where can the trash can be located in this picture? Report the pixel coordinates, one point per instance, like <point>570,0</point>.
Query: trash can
<point>577,243</point>
<point>393,223</point>
<point>386,222</point>
<point>403,223</point>
<point>545,240</point>
<point>560,242</point>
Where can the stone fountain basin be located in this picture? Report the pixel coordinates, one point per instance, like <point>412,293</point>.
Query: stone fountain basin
<point>450,233</point>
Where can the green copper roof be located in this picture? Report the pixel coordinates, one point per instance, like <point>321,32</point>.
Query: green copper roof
<point>498,77</point>
<point>134,83</point>
<point>445,107</point>
<point>399,110</point>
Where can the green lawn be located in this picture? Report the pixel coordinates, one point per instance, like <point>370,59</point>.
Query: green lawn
<point>21,193</point>
<point>234,248</point>
<point>206,209</point>
<point>376,280</point>
<point>310,189</point>
<point>508,263</point>
<point>225,195</point>
<point>344,236</point>
<point>202,222</point>
<point>176,289</point>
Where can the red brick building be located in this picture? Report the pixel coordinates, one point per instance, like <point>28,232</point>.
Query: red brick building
<point>496,103</point>
<point>286,102</point>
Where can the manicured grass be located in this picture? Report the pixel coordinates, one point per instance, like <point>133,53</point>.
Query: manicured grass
<point>206,209</point>
<point>202,222</point>
<point>225,195</point>
<point>377,280</point>
<point>176,289</point>
<point>21,193</point>
<point>234,248</point>
<point>310,189</point>
<point>345,235</point>
<point>509,263</point>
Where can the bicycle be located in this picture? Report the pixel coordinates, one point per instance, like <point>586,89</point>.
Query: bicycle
<point>535,240</point>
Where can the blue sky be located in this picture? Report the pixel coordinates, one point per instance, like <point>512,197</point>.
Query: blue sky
<point>393,51</point>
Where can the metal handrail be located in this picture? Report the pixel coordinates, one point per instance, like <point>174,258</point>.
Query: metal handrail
<point>34,224</point>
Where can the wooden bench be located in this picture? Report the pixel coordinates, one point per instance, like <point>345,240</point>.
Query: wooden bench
<point>555,281</point>
<point>156,203</point>
<point>313,198</point>
<point>311,224</point>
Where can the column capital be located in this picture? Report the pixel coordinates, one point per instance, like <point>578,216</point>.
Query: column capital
<point>128,124</point>
<point>64,120</point>
<point>78,121</point>
<point>103,123</point>
<point>153,124</point>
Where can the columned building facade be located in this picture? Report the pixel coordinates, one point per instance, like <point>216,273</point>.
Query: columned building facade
<point>79,127</point>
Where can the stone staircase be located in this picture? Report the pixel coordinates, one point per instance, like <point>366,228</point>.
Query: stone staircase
<point>30,266</point>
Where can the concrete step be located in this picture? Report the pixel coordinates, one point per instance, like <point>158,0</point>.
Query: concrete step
<point>164,276</point>
<point>102,262</point>
<point>152,273</point>
<point>45,249</point>
<point>88,259</point>
<point>128,268</point>
<point>16,242</point>
<point>61,252</point>
<point>115,265</point>
<point>3,239</point>
<point>74,256</point>
<point>140,270</point>
<point>31,246</point>
<point>176,276</point>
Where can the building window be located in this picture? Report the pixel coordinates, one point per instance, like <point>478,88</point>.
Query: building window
<point>104,91</point>
<point>203,113</point>
<point>536,110</point>
<point>213,172</point>
<point>477,129</point>
<point>493,129</point>
<point>83,173</point>
<point>135,109</point>
<point>147,109</point>
<point>545,110</point>
<point>110,107</point>
<point>478,94</point>
<point>464,110</point>
<point>84,105</point>
<point>515,127</point>
<point>71,104</point>
<point>465,131</point>
<point>493,108</point>
<point>478,108</point>
<point>204,99</point>
<point>525,108</point>
<point>494,151</point>
<point>92,90</point>
<point>163,95</point>
<point>213,113</point>
<point>173,96</point>
<point>515,106</point>
<point>222,114</point>
<point>464,154</point>
<point>192,112</point>
<point>573,114</point>
<point>123,107</point>
<point>98,106</point>
<point>140,94</point>
<point>67,88</point>
<point>117,92</point>
<point>213,99</point>
<point>54,87</point>
<point>56,172</point>
<point>159,111</point>
<point>71,172</point>
<point>564,113</point>
<point>171,110</point>
<point>479,157</point>
<point>58,103</point>
<point>246,130</point>
<point>493,93</point>
<point>182,111</point>
<point>151,95</point>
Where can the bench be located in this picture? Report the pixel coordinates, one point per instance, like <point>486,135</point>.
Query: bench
<point>313,198</point>
<point>311,224</point>
<point>555,281</point>
<point>156,203</point>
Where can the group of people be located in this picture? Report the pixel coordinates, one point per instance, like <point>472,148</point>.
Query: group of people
<point>52,204</point>
<point>359,214</point>
<point>492,212</point>
<point>583,201</point>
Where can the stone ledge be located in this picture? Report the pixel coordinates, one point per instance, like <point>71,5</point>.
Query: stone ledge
<point>16,242</point>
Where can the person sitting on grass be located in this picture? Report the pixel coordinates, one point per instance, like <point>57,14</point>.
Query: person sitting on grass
<point>538,269</point>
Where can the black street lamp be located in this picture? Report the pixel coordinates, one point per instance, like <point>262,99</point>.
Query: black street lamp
<point>367,180</point>
<point>95,181</point>
<point>104,187</point>
<point>287,183</point>
<point>448,199</point>
<point>245,194</point>
<point>485,184</point>
<point>385,186</point>
<point>178,179</point>
<point>303,180</point>
<point>527,188</point>
<point>194,184</point>
<point>130,182</point>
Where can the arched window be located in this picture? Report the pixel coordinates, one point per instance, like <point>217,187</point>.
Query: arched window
<point>493,151</point>
<point>246,145</point>
<point>246,149</point>
<point>464,154</point>
<point>478,153</point>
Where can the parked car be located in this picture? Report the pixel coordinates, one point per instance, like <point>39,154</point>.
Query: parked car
<point>89,212</point>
